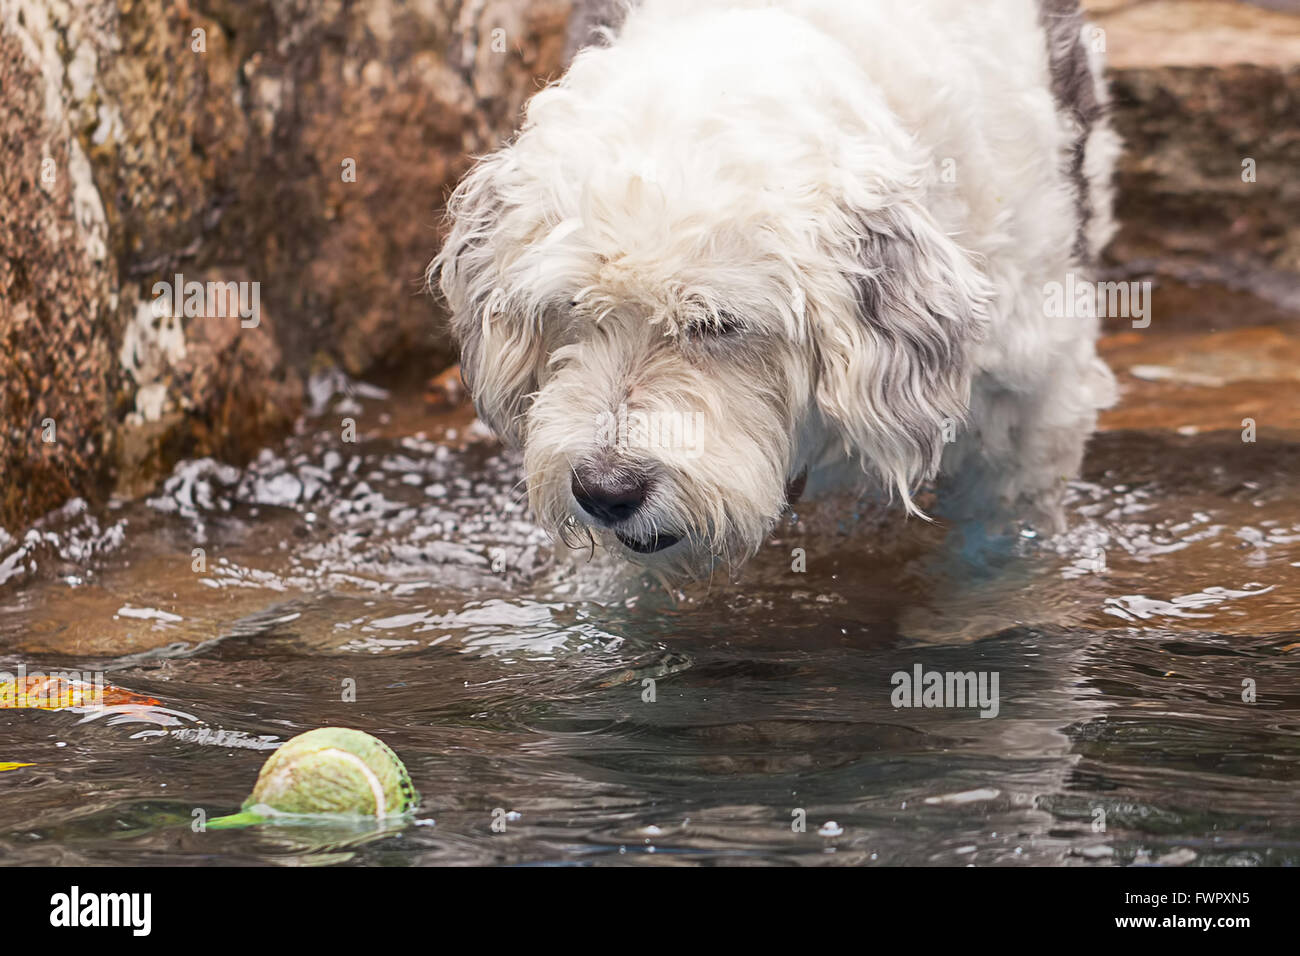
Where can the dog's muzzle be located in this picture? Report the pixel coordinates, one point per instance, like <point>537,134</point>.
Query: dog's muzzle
<point>614,494</point>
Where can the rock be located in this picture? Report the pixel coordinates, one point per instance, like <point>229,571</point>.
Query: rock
<point>446,390</point>
<point>1206,96</point>
<point>57,370</point>
<point>305,148</point>
<point>1197,381</point>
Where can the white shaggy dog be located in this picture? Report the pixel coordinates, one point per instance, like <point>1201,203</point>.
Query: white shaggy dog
<point>742,243</point>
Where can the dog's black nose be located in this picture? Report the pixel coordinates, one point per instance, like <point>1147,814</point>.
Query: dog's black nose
<point>609,494</point>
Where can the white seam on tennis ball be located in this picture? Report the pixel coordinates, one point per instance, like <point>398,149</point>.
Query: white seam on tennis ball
<point>381,803</point>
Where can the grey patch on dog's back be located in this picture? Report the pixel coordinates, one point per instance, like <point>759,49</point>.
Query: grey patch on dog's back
<point>1074,87</point>
<point>589,18</point>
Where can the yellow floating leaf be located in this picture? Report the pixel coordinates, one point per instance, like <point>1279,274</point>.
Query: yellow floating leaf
<point>56,692</point>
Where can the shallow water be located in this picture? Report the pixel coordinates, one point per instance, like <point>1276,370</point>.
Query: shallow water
<point>514,683</point>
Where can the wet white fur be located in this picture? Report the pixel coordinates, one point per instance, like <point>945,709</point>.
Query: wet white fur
<point>783,164</point>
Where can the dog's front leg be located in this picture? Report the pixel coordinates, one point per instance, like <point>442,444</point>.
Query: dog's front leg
<point>1007,472</point>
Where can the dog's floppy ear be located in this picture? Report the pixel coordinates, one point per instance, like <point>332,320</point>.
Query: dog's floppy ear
<point>499,351</point>
<point>894,350</point>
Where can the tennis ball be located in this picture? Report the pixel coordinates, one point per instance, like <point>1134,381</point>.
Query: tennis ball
<point>332,770</point>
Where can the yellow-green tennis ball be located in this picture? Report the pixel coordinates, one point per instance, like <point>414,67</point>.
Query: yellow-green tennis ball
<point>334,770</point>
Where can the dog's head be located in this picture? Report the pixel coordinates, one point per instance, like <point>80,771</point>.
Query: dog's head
<point>675,316</point>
